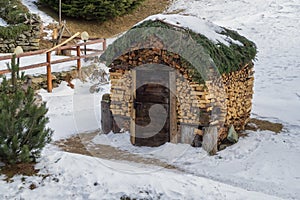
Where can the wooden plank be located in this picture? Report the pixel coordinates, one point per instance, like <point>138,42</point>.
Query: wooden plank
<point>173,106</point>
<point>39,52</point>
<point>187,134</point>
<point>78,60</point>
<point>154,98</point>
<point>133,112</point>
<point>87,50</point>
<point>30,53</point>
<point>106,117</point>
<point>49,76</point>
<point>79,38</point>
<point>64,42</point>
<point>67,47</point>
<point>61,31</point>
<point>25,67</point>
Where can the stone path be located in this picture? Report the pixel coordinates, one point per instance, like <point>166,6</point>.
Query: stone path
<point>82,144</point>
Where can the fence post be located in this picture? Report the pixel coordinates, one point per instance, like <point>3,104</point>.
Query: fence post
<point>104,44</point>
<point>49,76</point>
<point>79,59</point>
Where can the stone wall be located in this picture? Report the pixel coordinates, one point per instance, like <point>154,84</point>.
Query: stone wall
<point>28,40</point>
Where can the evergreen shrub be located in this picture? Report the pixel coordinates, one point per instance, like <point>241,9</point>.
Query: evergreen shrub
<point>13,12</point>
<point>100,10</point>
<point>23,131</point>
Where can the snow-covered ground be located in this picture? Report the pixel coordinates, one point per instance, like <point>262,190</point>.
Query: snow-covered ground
<point>31,5</point>
<point>261,166</point>
<point>2,22</point>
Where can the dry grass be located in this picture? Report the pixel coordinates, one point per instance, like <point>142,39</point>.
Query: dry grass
<point>116,25</point>
<point>264,125</point>
<point>82,144</point>
<point>26,169</point>
<point>73,145</point>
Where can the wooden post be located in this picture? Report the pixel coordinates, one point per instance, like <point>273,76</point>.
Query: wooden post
<point>54,36</point>
<point>173,114</point>
<point>59,12</point>
<point>104,44</point>
<point>132,118</point>
<point>106,115</point>
<point>79,59</point>
<point>187,134</point>
<point>49,76</point>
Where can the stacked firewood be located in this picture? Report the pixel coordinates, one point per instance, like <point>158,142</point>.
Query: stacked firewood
<point>239,88</point>
<point>222,100</point>
<point>121,93</point>
<point>193,105</point>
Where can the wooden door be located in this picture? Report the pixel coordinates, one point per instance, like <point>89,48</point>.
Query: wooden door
<point>150,125</point>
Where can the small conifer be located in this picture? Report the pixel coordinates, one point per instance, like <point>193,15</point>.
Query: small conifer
<point>23,131</point>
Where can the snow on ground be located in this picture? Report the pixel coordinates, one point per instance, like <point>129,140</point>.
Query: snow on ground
<point>80,177</point>
<point>73,111</point>
<point>260,166</point>
<point>46,19</point>
<point>29,60</point>
<point>262,162</point>
<point>2,22</point>
<point>31,5</point>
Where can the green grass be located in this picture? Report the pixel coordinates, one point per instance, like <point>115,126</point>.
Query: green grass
<point>226,58</point>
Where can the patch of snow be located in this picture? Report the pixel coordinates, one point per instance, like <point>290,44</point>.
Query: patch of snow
<point>247,164</point>
<point>46,19</point>
<point>75,176</point>
<point>3,22</point>
<point>198,25</point>
<point>73,111</point>
<point>31,5</point>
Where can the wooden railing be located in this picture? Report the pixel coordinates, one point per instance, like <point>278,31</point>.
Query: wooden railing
<point>48,62</point>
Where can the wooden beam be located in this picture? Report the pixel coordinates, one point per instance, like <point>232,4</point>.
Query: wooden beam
<point>173,114</point>
<point>59,12</point>
<point>49,76</point>
<point>104,45</point>
<point>133,114</point>
<point>78,60</point>
<point>64,42</point>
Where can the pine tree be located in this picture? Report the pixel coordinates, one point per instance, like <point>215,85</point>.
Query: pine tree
<point>23,132</point>
<point>100,10</point>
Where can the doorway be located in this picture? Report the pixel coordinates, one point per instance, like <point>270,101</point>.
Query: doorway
<point>152,107</point>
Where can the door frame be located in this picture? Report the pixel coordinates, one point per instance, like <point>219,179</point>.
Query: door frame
<point>173,132</point>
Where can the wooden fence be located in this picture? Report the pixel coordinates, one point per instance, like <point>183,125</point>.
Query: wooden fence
<point>48,62</point>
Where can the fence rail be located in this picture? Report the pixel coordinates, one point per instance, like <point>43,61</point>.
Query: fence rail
<point>49,62</point>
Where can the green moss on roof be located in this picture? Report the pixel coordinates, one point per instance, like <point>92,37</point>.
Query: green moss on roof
<point>226,58</point>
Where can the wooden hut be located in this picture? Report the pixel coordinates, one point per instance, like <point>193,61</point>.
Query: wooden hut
<point>173,76</point>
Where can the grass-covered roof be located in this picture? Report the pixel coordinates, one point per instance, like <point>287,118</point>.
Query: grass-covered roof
<point>229,50</point>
